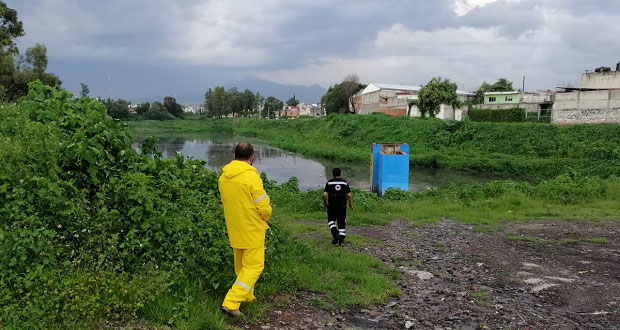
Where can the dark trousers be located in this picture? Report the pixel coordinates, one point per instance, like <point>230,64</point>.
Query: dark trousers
<point>337,222</point>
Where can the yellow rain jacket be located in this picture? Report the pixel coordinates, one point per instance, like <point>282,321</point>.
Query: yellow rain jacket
<point>246,205</point>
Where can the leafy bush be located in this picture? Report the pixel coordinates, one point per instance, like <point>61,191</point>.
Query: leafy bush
<point>514,115</point>
<point>90,229</point>
<point>157,111</point>
<point>569,189</point>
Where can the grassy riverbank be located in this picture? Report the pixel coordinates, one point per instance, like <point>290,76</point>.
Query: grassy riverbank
<point>528,149</point>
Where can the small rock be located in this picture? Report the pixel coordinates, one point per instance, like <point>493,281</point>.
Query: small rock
<point>391,304</point>
<point>408,324</point>
<point>265,327</point>
<point>427,324</point>
<point>421,274</point>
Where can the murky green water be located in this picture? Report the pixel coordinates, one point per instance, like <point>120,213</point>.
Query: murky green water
<point>280,165</point>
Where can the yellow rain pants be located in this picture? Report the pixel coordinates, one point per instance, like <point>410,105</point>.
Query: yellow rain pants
<point>249,264</point>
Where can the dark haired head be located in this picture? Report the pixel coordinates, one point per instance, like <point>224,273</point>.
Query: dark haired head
<point>243,151</point>
<point>336,172</point>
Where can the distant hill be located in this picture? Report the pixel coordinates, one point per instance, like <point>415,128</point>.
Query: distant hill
<point>305,94</point>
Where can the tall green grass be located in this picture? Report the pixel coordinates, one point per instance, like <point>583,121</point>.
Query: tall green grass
<point>530,149</point>
<point>484,206</point>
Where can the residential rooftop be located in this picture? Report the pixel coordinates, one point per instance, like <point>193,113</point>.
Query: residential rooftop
<point>501,93</point>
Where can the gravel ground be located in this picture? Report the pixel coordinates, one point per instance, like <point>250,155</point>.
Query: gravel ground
<point>528,275</point>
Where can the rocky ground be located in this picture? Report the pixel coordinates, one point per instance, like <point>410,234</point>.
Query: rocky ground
<point>528,275</point>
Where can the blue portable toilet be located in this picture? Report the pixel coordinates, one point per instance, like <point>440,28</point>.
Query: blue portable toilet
<point>389,167</point>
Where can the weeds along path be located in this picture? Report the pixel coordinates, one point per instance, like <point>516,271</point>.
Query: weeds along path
<point>536,275</point>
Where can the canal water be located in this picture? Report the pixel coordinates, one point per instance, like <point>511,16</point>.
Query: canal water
<point>280,165</point>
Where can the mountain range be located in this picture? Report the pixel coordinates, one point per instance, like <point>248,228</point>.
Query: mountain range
<point>304,94</point>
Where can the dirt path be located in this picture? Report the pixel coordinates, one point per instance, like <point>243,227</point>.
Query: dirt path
<point>529,275</point>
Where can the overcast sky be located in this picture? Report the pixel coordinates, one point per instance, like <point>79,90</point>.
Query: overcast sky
<point>140,48</point>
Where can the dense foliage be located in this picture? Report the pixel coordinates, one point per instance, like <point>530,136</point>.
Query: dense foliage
<point>16,70</point>
<point>340,97</point>
<point>435,93</point>
<point>514,115</point>
<point>10,29</point>
<point>116,108</point>
<point>530,149</point>
<point>90,229</point>
<point>271,107</point>
<point>220,102</point>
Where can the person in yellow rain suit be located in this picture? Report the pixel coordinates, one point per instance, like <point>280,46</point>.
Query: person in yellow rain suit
<point>247,210</point>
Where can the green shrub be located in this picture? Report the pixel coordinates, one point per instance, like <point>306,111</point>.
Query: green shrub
<point>514,115</point>
<point>89,228</point>
<point>569,189</point>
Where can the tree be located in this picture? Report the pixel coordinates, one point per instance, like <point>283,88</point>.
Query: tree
<point>208,102</point>
<point>292,102</point>
<point>350,86</point>
<point>260,104</point>
<point>338,97</point>
<point>143,108</point>
<point>272,105</point>
<point>157,111</point>
<point>502,85</point>
<point>333,100</point>
<point>117,108</point>
<point>85,91</point>
<point>479,98</point>
<point>217,102</point>
<point>248,102</point>
<point>171,105</point>
<point>17,71</point>
<point>236,104</point>
<point>10,29</point>
<point>435,93</point>
<point>27,69</point>
<point>36,57</point>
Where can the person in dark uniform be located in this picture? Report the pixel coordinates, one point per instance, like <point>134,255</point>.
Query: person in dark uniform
<point>335,197</point>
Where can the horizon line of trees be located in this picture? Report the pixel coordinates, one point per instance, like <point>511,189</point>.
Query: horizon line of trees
<point>167,110</point>
<point>220,103</point>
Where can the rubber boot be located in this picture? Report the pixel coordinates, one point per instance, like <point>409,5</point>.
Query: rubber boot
<point>335,235</point>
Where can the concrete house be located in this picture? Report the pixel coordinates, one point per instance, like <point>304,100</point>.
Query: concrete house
<point>493,98</point>
<point>394,100</point>
<point>596,101</point>
<point>390,99</point>
<point>537,102</point>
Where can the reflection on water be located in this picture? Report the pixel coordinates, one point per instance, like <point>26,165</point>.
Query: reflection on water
<point>217,151</point>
